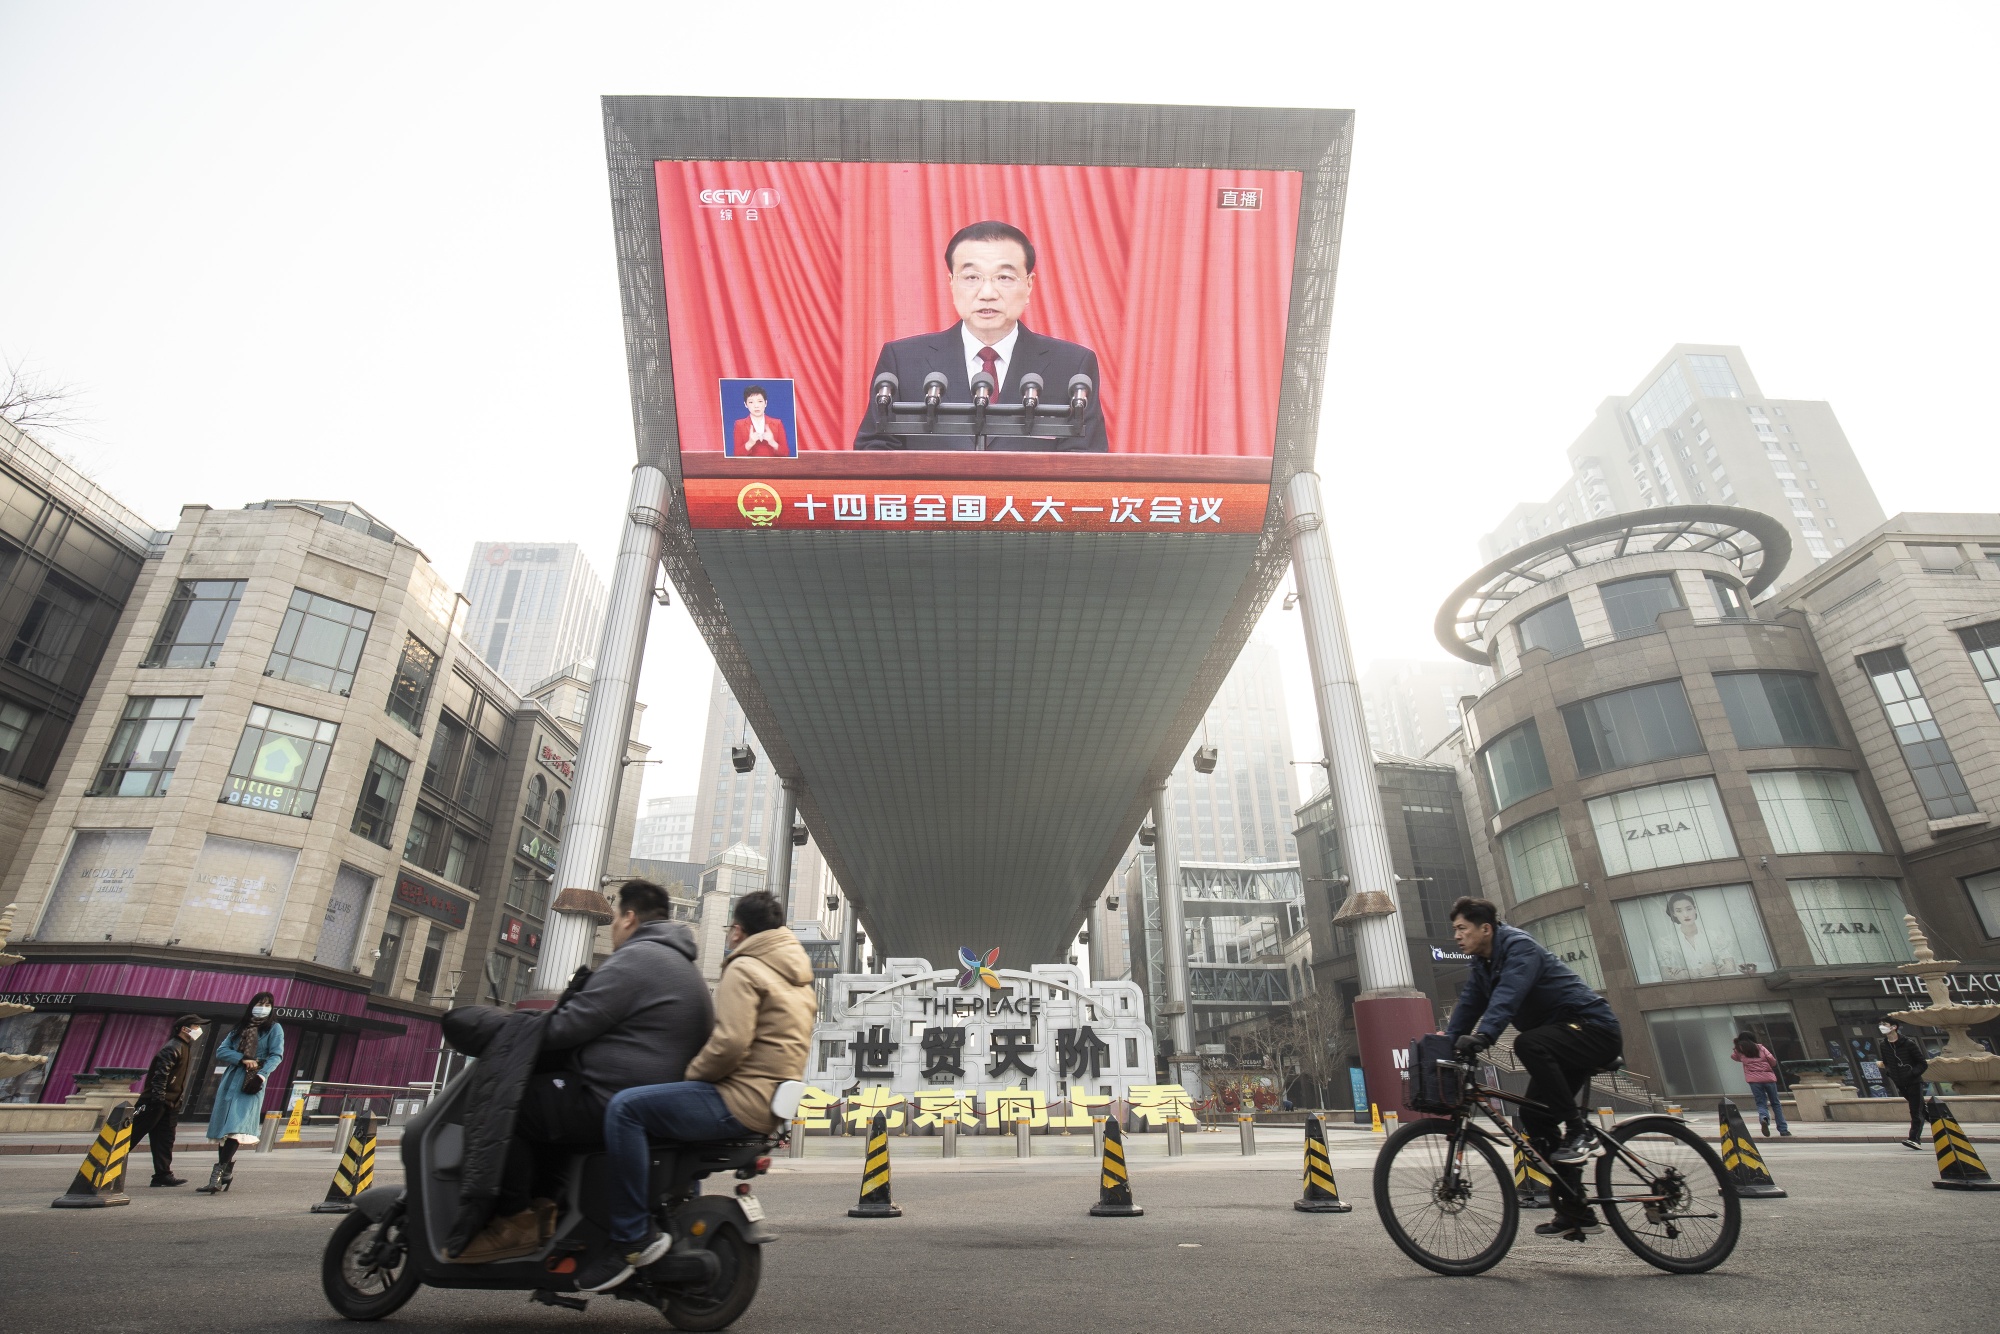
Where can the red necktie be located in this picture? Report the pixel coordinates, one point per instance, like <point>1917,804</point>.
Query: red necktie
<point>991,360</point>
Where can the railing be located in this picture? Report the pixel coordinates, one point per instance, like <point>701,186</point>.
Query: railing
<point>1655,628</point>
<point>1618,1086</point>
<point>327,1101</point>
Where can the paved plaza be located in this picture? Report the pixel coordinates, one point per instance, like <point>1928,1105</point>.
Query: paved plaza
<point>998,1244</point>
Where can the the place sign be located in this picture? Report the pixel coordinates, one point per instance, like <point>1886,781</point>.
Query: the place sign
<point>989,1006</point>
<point>1966,983</point>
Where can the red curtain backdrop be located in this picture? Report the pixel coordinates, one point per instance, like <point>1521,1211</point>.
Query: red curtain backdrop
<point>1183,301</point>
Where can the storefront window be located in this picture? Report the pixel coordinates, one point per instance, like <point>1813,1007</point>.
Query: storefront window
<point>1693,1044</point>
<point>279,762</point>
<point>196,623</point>
<point>1538,857</point>
<point>1567,936</point>
<point>1985,891</point>
<point>1814,810</point>
<point>31,1034</point>
<point>346,909</point>
<point>1667,824</point>
<point>1515,767</point>
<point>1629,727</point>
<point>1852,919</point>
<point>94,886</point>
<point>146,748</point>
<point>319,642</point>
<point>1774,709</point>
<point>235,895</point>
<point>1691,934</point>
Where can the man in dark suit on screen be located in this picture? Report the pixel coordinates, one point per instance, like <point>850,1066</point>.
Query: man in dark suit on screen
<point>992,273</point>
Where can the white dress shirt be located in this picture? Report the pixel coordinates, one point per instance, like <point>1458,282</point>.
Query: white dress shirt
<point>973,363</point>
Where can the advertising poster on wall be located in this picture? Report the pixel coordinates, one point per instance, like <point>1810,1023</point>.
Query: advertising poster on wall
<point>911,345</point>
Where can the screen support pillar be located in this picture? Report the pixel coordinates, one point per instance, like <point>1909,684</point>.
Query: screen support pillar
<point>1390,1012</point>
<point>1172,1007</point>
<point>607,725</point>
<point>850,938</point>
<point>778,866</point>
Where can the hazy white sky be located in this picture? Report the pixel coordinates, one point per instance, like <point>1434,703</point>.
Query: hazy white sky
<point>363,251</point>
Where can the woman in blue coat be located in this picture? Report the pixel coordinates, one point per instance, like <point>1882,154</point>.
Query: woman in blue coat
<point>253,1047</point>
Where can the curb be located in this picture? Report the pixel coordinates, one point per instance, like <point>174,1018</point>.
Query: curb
<point>322,1145</point>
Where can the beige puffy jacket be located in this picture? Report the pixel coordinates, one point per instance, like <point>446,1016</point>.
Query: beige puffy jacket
<point>764,1012</point>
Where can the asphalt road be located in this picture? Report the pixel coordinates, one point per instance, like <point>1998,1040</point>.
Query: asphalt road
<point>992,1244</point>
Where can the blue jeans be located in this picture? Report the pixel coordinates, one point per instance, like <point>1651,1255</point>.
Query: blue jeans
<point>1767,1097</point>
<point>691,1112</point>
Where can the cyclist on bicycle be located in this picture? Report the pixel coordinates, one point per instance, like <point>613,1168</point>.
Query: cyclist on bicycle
<point>1565,1033</point>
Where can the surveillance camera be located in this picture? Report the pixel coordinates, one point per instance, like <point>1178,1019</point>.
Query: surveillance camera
<point>742,758</point>
<point>1204,759</point>
<point>1147,835</point>
<point>1111,902</point>
<point>798,835</point>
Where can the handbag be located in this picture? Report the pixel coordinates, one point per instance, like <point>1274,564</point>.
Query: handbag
<point>253,1081</point>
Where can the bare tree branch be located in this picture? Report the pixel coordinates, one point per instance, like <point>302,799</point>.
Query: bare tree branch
<point>33,402</point>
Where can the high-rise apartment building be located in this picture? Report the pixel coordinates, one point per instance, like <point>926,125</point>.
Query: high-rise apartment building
<point>666,830</point>
<point>1413,705</point>
<point>733,808</point>
<point>537,607</point>
<point>1698,430</point>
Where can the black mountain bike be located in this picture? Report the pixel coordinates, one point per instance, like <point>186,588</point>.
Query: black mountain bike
<point>1449,1201</point>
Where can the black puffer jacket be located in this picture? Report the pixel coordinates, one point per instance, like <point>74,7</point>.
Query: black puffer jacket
<point>167,1077</point>
<point>506,1045</point>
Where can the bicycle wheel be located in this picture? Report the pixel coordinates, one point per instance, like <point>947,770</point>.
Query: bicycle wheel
<point>1676,1210</point>
<point>1443,1209</point>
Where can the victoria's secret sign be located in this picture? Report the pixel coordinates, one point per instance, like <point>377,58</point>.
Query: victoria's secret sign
<point>429,901</point>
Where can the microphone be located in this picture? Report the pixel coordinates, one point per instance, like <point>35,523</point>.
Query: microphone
<point>982,389</point>
<point>1080,389</point>
<point>884,393</point>
<point>1031,398</point>
<point>934,385</point>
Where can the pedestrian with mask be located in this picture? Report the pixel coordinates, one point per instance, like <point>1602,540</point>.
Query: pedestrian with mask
<point>252,1049</point>
<point>1760,1069</point>
<point>163,1095</point>
<point>1903,1065</point>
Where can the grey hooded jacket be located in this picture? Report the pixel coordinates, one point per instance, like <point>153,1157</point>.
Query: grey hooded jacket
<point>641,1017</point>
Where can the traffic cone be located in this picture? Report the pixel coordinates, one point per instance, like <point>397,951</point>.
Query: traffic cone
<point>1114,1187</point>
<point>1959,1167</point>
<point>1531,1185</point>
<point>1746,1168</point>
<point>1321,1196</point>
<point>875,1175</point>
<point>100,1181</point>
<point>356,1171</point>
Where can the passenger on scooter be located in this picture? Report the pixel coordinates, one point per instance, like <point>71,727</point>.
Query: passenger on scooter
<point>764,1011</point>
<point>637,1020</point>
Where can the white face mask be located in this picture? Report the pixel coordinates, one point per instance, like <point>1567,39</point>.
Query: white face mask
<point>260,1012</point>
<point>194,1035</point>
<point>1884,1029</point>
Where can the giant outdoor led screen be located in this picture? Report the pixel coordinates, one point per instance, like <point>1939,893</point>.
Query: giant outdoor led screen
<point>858,339</point>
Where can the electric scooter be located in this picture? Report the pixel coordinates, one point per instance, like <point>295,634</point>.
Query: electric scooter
<point>389,1246</point>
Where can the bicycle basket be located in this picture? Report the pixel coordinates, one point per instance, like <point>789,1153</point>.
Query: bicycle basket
<point>1430,1087</point>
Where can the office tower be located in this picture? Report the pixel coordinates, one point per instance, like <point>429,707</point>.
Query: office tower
<point>1698,430</point>
<point>733,808</point>
<point>1243,811</point>
<point>536,608</point>
<point>666,830</point>
<point>1413,705</point>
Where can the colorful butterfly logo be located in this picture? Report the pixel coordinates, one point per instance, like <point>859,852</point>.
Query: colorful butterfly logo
<point>975,970</point>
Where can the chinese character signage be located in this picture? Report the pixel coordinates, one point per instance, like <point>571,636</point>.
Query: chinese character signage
<point>413,895</point>
<point>556,761</point>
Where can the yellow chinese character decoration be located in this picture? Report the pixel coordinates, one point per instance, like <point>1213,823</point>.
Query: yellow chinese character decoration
<point>1163,1102</point>
<point>1005,1106</point>
<point>1080,1107</point>
<point>862,1107</point>
<point>936,1106</point>
<point>812,1113</point>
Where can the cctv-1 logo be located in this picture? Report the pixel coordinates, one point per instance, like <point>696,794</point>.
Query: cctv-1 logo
<point>762,197</point>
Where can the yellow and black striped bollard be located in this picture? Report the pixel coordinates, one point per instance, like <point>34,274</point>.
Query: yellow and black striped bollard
<point>1739,1154</point>
<point>875,1175</point>
<point>100,1181</point>
<point>1321,1195</point>
<point>1114,1186</point>
<point>1531,1184</point>
<point>1959,1167</point>
<point>356,1171</point>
